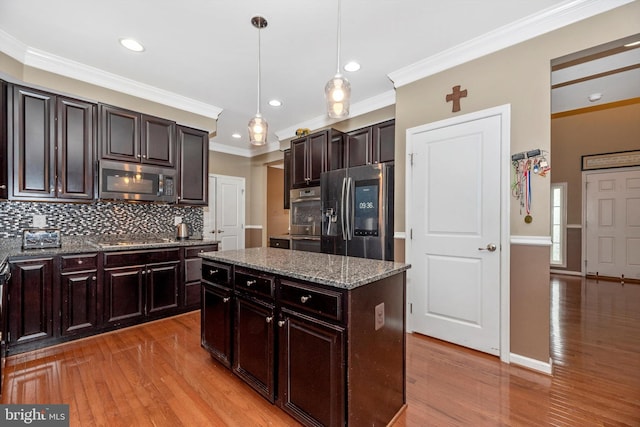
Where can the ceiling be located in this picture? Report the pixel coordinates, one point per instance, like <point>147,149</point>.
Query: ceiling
<point>201,55</point>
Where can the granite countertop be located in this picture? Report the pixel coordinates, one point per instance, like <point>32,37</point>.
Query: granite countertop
<point>332,270</point>
<point>81,244</point>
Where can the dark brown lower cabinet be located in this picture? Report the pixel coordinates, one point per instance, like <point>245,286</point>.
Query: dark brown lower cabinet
<point>192,274</point>
<point>253,358</point>
<point>79,310</point>
<point>311,379</point>
<point>79,294</point>
<point>314,350</point>
<point>136,288</point>
<point>216,322</point>
<point>124,294</point>
<point>31,301</point>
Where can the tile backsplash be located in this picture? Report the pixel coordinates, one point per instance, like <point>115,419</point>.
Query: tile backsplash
<point>77,219</point>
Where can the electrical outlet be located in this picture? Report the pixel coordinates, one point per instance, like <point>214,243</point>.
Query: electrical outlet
<point>177,220</point>
<point>379,316</point>
<point>39,221</point>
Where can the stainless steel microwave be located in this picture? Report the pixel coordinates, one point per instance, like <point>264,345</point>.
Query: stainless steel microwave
<point>133,181</point>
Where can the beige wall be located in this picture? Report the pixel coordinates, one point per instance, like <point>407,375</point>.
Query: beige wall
<point>590,131</point>
<point>602,129</point>
<point>519,76</point>
<point>277,215</point>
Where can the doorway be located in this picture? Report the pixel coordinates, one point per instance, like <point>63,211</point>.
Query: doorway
<point>458,286</point>
<point>224,220</point>
<point>612,223</point>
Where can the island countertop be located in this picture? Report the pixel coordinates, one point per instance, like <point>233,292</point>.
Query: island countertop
<point>325,269</point>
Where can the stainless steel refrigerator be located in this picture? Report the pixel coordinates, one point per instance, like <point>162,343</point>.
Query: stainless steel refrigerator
<point>357,211</point>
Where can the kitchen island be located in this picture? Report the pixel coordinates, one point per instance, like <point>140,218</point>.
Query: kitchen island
<point>322,336</point>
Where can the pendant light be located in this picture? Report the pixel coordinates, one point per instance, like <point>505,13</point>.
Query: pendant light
<point>337,91</point>
<point>258,126</point>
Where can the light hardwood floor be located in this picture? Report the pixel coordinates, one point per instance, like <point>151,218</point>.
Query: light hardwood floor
<point>157,375</point>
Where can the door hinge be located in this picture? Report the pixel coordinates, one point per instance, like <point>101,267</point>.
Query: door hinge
<point>410,308</point>
<point>411,159</point>
<point>411,234</point>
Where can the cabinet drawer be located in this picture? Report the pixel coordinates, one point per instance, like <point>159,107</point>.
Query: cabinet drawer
<point>194,251</point>
<point>121,259</point>
<point>279,243</point>
<point>254,282</point>
<point>216,273</point>
<point>79,262</point>
<point>311,299</point>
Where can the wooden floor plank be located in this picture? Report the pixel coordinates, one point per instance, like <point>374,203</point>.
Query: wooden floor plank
<point>158,375</point>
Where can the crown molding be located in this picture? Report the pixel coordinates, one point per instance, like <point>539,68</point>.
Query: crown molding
<point>366,106</point>
<point>243,151</point>
<point>524,29</point>
<point>55,64</point>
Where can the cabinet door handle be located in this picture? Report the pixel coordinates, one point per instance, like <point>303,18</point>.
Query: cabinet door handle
<point>226,299</point>
<point>269,319</point>
<point>3,187</point>
<point>144,271</point>
<point>149,271</point>
<point>80,262</point>
<point>305,298</point>
<point>281,323</point>
<point>250,282</point>
<point>212,272</point>
<point>94,278</point>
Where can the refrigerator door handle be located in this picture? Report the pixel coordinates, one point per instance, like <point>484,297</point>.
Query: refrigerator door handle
<point>349,204</point>
<point>342,210</point>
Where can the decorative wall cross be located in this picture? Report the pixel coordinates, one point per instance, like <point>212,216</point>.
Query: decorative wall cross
<point>455,97</point>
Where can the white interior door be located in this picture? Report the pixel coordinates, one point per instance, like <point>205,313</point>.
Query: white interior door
<point>455,219</point>
<point>613,223</point>
<point>225,218</point>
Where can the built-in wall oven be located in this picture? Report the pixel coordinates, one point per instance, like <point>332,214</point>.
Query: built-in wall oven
<point>305,219</point>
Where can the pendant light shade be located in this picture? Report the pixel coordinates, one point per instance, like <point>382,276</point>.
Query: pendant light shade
<point>337,91</point>
<point>338,95</point>
<point>258,126</point>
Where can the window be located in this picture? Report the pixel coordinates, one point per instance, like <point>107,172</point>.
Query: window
<point>558,224</point>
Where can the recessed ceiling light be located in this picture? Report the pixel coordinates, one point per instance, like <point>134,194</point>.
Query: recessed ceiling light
<point>275,103</point>
<point>595,97</point>
<point>632,44</point>
<point>352,66</point>
<point>236,136</point>
<point>132,44</point>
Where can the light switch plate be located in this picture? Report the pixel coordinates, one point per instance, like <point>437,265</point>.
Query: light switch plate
<point>379,316</point>
<point>177,220</point>
<point>39,221</point>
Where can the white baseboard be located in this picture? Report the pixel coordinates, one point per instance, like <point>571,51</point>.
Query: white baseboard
<point>536,365</point>
<point>566,272</point>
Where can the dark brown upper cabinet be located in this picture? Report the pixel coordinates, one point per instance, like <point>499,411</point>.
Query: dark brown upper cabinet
<point>76,149</point>
<point>287,178</point>
<point>371,145</point>
<point>193,149</point>
<point>4,181</point>
<point>313,154</point>
<point>130,136</point>
<point>53,140</point>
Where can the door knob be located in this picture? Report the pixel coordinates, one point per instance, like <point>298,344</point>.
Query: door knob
<point>490,247</point>
<point>220,231</point>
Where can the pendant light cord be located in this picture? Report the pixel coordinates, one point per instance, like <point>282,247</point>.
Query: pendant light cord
<point>338,38</point>
<point>259,69</point>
